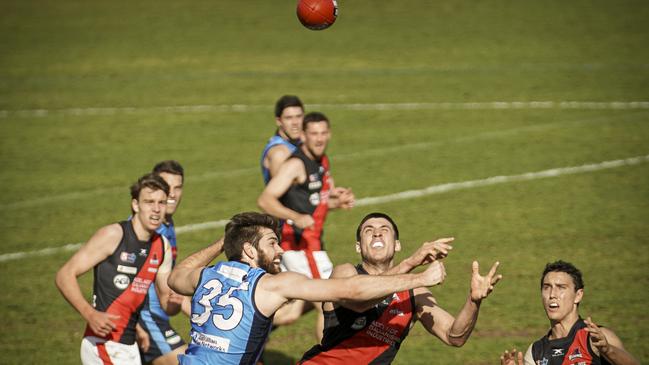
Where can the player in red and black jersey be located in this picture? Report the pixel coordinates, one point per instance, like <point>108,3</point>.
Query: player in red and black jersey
<point>571,340</point>
<point>301,194</point>
<point>127,258</point>
<point>372,332</point>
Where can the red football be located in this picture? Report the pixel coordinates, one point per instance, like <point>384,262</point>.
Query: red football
<point>317,14</point>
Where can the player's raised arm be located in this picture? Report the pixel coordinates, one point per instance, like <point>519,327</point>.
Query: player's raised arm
<point>99,246</point>
<point>456,331</point>
<point>186,274</point>
<point>608,345</point>
<point>290,172</point>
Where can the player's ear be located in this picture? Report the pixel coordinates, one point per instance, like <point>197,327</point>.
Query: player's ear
<point>134,205</point>
<point>249,250</point>
<point>277,121</point>
<point>579,296</point>
<point>358,247</point>
<point>397,246</point>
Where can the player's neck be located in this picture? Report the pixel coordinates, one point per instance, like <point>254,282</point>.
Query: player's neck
<point>142,233</point>
<point>561,329</point>
<point>376,268</point>
<point>310,154</point>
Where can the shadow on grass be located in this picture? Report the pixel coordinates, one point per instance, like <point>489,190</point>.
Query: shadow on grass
<point>272,357</point>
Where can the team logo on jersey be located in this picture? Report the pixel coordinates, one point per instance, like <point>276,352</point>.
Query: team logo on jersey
<point>315,185</point>
<point>154,260</point>
<point>143,252</point>
<point>396,312</point>
<point>127,257</point>
<point>314,177</point>
<point>542,362</point>
<point>314,198</point>
<point>575,354</point>
<point>557,352</point>
<point>121,281</point>
<point>321,170</point>
<point>359,323</point>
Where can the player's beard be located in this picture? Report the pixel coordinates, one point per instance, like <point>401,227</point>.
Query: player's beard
<point>266,263</point>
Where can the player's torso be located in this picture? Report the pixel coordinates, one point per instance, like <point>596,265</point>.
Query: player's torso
<point>573,349</point>
<point>309,197</point>
<point>371,337</point>
<point>226,326</point>
<point>275,140</point>
<point>122,280</point>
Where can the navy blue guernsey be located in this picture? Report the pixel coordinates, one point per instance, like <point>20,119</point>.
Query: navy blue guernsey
<point>227,327</point>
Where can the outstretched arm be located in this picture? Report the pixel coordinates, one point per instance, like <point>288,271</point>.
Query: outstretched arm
<point>99,246</point>
<point>456,331</point>
<point>607,344</point>
<point>279,288</point>
<point>184,277</point>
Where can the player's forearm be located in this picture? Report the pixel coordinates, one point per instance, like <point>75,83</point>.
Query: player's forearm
<point>274,207</point>
<point>368,287</point>
<point>464,323</point>
<point>618,356</point>
<point>203,257</point>
<point>71,291</point>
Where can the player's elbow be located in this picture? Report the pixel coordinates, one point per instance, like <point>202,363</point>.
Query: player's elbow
<point>456,342</point>
<point>262,202</point>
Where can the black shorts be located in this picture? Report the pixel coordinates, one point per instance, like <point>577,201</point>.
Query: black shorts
<point>163,338</point>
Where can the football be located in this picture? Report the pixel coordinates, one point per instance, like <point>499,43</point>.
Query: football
<point>317,14</point>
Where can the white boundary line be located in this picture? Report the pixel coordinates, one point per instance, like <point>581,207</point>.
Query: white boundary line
<point>409,194</point>
<point>244,108</point>
<point>338,157</point>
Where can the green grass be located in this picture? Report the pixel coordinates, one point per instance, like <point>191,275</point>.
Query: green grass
<point>64,175</point>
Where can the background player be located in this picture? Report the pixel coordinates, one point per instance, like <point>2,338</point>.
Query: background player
<point>160,344</point>
<point>289,113</point>
<point>233,302</point>
<point>127,257</point>
<point>571,340</point>
<point>301,193</point>
<point>371,332</point>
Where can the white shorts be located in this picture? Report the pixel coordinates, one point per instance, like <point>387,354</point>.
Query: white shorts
<point>305,262</point>
<point>98,351</point>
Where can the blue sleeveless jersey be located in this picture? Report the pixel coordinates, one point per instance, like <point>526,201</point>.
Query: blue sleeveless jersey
<point>152,305</point>
<point>272,142</point>
<point>227,327</point>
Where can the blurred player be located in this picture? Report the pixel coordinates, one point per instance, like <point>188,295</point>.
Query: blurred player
<point>571,340</point>
<point>289,112</point>
<point>301,194</point>
<point>127,257</point>
<point>371,332</point>
<point>160,344</point>
<point>234,301</point>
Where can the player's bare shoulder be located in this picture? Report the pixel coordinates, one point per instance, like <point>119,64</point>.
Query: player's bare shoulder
<point>344,271</point>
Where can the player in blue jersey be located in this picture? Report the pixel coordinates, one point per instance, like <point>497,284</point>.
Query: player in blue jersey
<point>159,343</point>
<point>234,302</point>
<point>289,113</point>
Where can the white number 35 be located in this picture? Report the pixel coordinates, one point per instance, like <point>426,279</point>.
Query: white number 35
<point>224,300</point>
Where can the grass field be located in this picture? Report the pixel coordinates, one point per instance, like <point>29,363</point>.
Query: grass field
<point>93,93</point>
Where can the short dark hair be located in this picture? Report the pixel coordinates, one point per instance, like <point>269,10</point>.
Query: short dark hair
<point>151,181</point>
<point>314,117</point>
<point>169,166</point>
<point>568,268</point>
<point>377,215</point>
<point>287,101</point>
<point>246,227</point>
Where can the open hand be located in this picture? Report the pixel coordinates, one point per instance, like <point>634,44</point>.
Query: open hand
<point>511,358</point>
<point>597,336</point>
<point>482,286</point>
